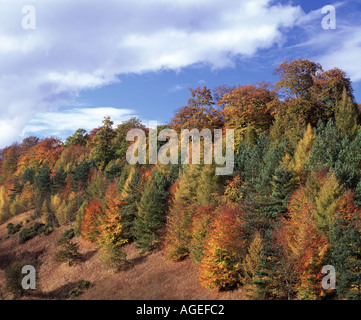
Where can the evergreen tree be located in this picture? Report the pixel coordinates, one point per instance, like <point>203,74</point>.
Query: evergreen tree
<point>133,193</point>
<point>282,186</point>
<point>42,180</point>
<point>326,148</point>
<point>58,180</point>
<point>348,165</point>
<point>358,195</point>
<point>151,212</point>
<point>346,256</point>
<point>81,173</point>
<point>28,176</point>
<point>270,274</point>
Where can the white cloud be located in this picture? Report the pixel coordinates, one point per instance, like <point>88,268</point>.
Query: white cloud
<point>62,123</point>
<point>79,45</point>
<point>339,48</point>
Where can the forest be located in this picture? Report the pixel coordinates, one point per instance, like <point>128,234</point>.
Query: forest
<point>291,206</point>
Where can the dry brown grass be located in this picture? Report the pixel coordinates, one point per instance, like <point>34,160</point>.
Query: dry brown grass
<point>148,277</point>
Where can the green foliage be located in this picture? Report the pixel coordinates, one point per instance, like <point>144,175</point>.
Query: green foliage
<point>12,229</point>
<point>80,137</point>
<point>132,196</point>
<point>14,276</point>
<point>151,212</point>
<point>67,235</point>
<point>69,252</point>
<point>103,148</point>
<point>346,256</point>
<point>36,229</point>
<point>77,290</point>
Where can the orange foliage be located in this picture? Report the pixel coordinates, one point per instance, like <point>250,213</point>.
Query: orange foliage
<point>249,105</point>
<point>305,246</point>
<point>91,221</point>
<point>220,266</point>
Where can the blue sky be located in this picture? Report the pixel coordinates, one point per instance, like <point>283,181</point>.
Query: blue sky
<point>139,58</point>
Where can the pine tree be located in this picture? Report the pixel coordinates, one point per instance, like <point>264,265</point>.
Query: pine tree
<point>282,186</point>
<point>151,212</point>
<point>269,274</point>
<point>133,193</point>
<point>358,195</point>
<point>346,256</point>
<point>69,252</point>
<point>58,180</point>
<point>42,180</point>
<point>326,148</point>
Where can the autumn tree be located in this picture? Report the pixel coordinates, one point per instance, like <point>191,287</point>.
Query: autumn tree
<point>201,221</point>
<point>200,112</point>
<point>327,202</point>
<point>111,229</point>
<point>221,263</point>
<point>346,115</point>
<point>249,106</point>
<point>91,221</point>
<point>182,209</point>
<point>305,246</point>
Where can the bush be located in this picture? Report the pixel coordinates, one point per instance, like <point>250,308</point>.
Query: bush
<point>36,229</point>
<point>77,290</point>
<point>67,235</point>
<point>14,277</point>
<point>26,234</point>
<point>13,229</point>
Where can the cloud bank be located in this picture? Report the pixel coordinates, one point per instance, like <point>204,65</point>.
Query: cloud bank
<point>80,45</point>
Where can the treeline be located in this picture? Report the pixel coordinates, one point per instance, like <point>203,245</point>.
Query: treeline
<point>292,205</point>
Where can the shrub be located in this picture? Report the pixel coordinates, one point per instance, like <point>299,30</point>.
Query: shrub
<point>13,229</point>
<point>36,229</point>
<point>14,277</point>
<point>67,235</point>
<point>69,252</point>
<point>26,234</point>
<point>77,290</point>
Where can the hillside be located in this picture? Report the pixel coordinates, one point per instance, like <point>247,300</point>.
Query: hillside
<point>265,218</point>
<point>148,277</point>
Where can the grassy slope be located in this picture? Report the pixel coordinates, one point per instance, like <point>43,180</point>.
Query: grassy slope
<point>148,277</point>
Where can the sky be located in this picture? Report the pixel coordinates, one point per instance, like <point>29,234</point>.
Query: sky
<point>66,64</point>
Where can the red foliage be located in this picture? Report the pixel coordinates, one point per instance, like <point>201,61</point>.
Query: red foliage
<point>91,221</point>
